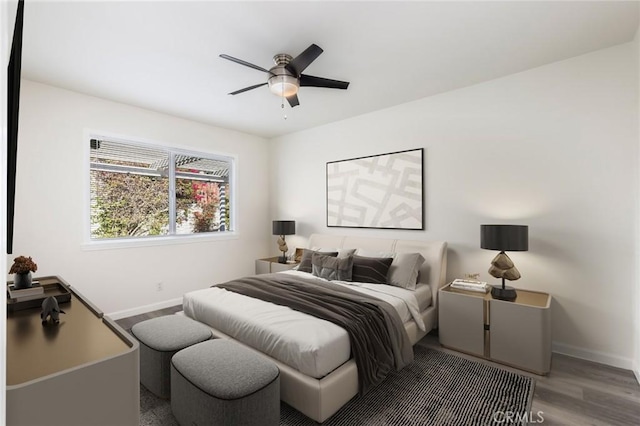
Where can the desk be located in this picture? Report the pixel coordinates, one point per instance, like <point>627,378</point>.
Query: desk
<point>83,371</point>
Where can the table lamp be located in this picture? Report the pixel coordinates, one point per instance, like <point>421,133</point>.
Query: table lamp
<point>282,228</point>
<point>504,238</point>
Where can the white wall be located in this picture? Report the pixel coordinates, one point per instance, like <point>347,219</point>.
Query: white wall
<point>555,148</point>
<point>50,202</point>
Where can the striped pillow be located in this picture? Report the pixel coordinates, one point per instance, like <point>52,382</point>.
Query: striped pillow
<point>305,262</point>
<point>370,269</point>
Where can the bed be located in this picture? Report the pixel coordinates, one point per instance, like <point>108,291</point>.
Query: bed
<point>318,375</point>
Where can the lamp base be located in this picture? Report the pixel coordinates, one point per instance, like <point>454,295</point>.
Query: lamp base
<point>507,293</point>
<point>283,258</point>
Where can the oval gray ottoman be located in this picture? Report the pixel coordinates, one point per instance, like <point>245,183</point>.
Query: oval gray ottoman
<point>160,338</point>
<point>220,382</point>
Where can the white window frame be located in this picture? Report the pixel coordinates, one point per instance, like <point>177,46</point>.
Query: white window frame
<point>159,240</point>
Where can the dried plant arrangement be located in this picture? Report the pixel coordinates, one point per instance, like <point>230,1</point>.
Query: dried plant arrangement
<point>22,265</point>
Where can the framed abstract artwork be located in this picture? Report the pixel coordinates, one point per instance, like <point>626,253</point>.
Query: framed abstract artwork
<point>380,191</point>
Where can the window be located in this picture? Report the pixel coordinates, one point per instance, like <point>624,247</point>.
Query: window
<point>139,190</point>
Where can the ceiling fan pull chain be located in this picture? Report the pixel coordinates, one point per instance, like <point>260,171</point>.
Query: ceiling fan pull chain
<point>284,114</point>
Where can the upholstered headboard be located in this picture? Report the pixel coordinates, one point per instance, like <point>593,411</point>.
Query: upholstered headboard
<point>432,272</point>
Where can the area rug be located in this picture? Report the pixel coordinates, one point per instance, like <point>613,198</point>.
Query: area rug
<point>436,389</point>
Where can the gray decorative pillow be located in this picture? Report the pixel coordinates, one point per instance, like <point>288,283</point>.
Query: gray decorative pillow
<point>305,261</point>
<point>331,268</point>
<point>371,269</point>
<point>405,269</point>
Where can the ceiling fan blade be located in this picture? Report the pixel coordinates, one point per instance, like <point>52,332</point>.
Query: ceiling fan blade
<point>248,88</point>
<point>245,63</point>
<point>293,100</point>
<point>309,80</point>
<point>302,61</point>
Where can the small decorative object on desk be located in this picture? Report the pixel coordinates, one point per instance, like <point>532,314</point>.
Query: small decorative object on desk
<point>50,286</point>
<point>50,308</point>
<point>22,268</point>
<point>20,294</point>
<point>470,285</point>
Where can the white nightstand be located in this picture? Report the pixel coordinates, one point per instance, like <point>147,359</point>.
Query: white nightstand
<point>271,264</point>
<point>514,333</point>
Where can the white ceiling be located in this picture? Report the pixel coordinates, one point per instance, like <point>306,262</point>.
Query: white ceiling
<point>164,55</point>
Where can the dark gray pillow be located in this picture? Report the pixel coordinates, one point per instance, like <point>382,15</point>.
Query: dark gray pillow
<point>332,268</point>
<point>305,262</point>
<point>371,269</point>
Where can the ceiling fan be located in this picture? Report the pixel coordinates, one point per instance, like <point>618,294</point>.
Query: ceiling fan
<point>286,77</point>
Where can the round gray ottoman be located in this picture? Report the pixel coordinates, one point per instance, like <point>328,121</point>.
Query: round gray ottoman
<point>220,382</point>
<point>160,338</point>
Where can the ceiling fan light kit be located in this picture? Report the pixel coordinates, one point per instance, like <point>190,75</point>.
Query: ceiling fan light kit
<point>283,82</point>
<point>286,78</point>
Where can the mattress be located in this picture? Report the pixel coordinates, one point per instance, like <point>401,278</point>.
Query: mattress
<point>313,346</point>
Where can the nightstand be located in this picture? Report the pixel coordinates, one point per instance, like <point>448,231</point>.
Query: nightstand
<point>271,264</point>
<point>513,333</point>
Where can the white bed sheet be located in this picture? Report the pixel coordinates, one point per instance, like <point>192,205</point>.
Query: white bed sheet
<point>313,346</point>
<point>423,294</point>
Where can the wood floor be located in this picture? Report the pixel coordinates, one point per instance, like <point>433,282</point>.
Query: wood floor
<point>576,392</point>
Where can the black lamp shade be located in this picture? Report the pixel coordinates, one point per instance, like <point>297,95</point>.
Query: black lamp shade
<point>504,237</point>
<point>284,227</point>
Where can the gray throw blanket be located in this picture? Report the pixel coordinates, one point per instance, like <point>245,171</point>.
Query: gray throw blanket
<point>378,339</point>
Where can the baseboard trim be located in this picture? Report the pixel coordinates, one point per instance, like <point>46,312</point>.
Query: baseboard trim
<point>595,356</point>
<point>144,309</point>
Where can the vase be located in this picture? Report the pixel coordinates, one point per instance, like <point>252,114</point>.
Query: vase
<point>22,280</point>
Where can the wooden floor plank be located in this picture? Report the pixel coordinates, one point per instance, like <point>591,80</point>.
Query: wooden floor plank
<point>554,415</point>
<point>565,387</point>
<point>614,402</point>
<point>592,409</point>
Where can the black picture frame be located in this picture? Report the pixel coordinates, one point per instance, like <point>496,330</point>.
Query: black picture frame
<point>14,71</point>
<point>382,191</point>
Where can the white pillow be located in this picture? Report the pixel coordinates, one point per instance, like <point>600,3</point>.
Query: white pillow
<point>371,253</point>
<point>404,269</point>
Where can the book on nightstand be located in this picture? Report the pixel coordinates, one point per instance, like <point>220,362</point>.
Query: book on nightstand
<point>470,285</point>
